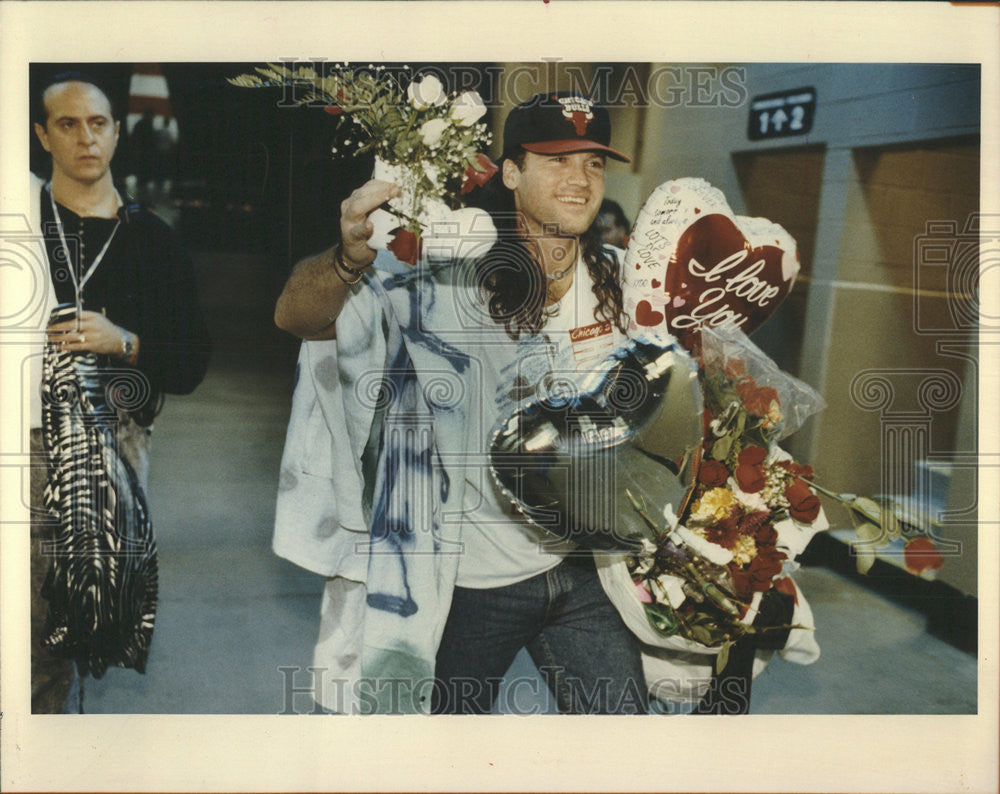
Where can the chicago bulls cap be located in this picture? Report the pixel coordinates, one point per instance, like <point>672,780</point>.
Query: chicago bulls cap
<point>559,122</point>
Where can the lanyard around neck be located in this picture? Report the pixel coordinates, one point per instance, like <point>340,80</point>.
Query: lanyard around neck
<point>79,283</point>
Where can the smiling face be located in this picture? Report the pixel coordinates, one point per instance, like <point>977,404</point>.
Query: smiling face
<point>557,195</point>
<point>79,131</point>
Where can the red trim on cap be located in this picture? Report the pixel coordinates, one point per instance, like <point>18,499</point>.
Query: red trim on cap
<point>574,145</point>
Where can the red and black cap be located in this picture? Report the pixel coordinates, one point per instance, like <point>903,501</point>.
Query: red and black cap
<point>559,122</point>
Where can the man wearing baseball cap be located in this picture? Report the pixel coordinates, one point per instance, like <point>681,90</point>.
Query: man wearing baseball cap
<point>488,583</point>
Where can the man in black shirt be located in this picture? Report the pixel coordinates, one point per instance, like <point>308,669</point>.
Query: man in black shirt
<point>131,309</point>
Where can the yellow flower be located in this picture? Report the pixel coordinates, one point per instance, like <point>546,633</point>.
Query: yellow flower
<point>745,550</point>
<point>714,504</point>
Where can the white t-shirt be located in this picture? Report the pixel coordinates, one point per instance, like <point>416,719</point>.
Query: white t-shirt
<point>500,547</point>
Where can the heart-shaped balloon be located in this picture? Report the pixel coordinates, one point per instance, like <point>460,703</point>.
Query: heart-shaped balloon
<point>716,269</point>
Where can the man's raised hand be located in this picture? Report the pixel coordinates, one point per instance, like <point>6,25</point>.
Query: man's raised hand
<point>356,226</point>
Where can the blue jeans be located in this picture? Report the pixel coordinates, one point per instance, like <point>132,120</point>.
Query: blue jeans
<point>587,656</point>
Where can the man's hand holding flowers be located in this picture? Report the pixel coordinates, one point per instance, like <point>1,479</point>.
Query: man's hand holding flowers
<point>356,226</point>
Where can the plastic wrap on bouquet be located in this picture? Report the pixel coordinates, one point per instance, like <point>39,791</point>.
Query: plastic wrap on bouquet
<point>569,463</point>
<point>735,369</point>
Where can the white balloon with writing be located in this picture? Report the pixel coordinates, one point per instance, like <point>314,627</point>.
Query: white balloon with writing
<point>692,263</point>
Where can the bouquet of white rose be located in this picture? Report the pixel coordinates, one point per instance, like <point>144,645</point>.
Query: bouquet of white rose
<point>425,140</point>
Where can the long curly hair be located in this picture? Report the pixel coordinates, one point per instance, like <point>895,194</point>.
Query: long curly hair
<point>512,281</point>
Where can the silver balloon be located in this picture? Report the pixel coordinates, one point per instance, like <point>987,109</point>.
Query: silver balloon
<point>578,465</point>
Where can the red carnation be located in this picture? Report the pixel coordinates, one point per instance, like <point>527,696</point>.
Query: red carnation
<point>757,525</point>
<point>474,177</point>
<point>712,473</point>
<point>752,456</point>
<point>725,533</point>
<point>920,554</point>
<point>405,245</point>
<point>750,478</point>
<point>765,534</point>
<point>803,504</point>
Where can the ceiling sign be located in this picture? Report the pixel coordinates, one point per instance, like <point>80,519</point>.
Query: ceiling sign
<point>781,115</point>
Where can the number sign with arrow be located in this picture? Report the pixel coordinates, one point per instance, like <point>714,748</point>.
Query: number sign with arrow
<point>782,114</point>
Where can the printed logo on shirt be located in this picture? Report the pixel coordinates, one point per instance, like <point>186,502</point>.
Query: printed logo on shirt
<point>589,331</point>
<point>591,343</point>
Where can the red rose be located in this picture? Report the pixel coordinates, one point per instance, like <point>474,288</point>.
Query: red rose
<point>473,177</point>
<point>756,399</point>
<point>920,554</point>
<point>804,471</point>
<point>742,584</point>
<point>406,246</point>
<point>712,473</point>
<point>734,368</point>
<point>764,567</point>
<point>750,478</point>
<point>752,456</point>
<point>803,504</point>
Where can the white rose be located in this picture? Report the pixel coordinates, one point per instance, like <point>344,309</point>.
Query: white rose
<point>426,92</point>
<point>431,131</point>
<point>467,108</point>
<point>463,234</point>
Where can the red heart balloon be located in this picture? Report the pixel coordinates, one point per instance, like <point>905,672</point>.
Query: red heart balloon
<point>701,265</point>
<point>722,279</point>
<point>646,315</point>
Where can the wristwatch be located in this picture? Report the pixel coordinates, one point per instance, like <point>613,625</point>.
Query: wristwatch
<point>128,345</point>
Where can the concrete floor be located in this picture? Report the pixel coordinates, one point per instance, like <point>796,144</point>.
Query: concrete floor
<point>234,621</point>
